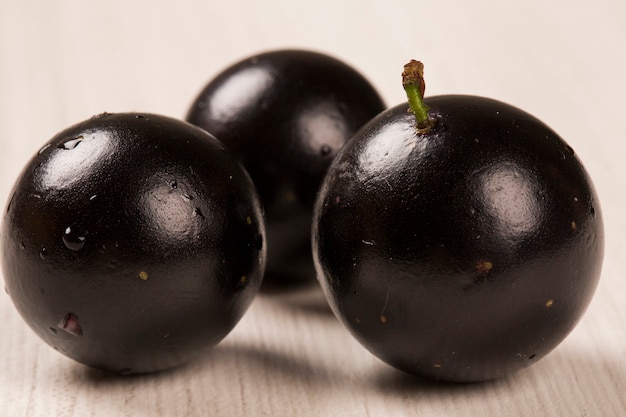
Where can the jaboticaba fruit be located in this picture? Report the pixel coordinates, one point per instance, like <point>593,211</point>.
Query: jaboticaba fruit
<point>132,242</point>
<point>461,240</point>
<point>284,114</point>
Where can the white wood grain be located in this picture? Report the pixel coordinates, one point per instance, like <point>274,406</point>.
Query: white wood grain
<point>62,61</point>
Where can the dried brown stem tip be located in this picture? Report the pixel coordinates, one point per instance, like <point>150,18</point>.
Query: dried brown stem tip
<point>413,74</point>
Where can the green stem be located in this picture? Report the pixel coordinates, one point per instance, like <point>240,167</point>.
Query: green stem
<point>414,85</point>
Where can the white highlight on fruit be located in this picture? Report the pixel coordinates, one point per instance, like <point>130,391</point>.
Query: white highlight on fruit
<point>509,195</point>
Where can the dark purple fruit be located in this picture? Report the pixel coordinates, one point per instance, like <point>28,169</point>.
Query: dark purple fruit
<point>132,242</point>
<point>285,114</point>
<point>463,249</point>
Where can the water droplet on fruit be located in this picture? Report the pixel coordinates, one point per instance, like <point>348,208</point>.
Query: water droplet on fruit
<point>569,149</point>
<point>72,240</point>
<point>186,197</point>
<point>326,150</point>
<point>173,184</point>
<point>22,246</point>
<point>592,211</point>
<point>53,330</point>
<point>198,213</point>
<point>43,254</point>
<point>562,154</point>
<point>139,116</point>
<point>532,356</point>
<point>70,324</point>
<point>72,143</point>
<point>93,197</point>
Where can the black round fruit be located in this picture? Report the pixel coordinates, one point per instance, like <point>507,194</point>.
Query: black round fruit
<point>285,114</point>
<point>132,242</point>
<point>462,250</point>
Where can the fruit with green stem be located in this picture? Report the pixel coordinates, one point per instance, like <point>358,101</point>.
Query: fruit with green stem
<point>457,237</point>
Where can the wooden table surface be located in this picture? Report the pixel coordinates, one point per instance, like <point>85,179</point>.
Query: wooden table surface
<point>63,61</point>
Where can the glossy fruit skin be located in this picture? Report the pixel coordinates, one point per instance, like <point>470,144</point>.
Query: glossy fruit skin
<point>464,253</point>
<point>132,242</point>
<point>285,114</point>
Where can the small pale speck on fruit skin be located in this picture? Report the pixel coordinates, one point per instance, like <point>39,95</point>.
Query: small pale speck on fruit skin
<point>484,266</point>
<point>549,303</point>
<point>143,275</point>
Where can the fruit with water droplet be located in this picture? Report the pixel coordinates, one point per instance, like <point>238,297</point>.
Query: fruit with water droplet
<point>461,240</point>
<point>285,114</point>
<point>162,248</point>
<point>72,240</point>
